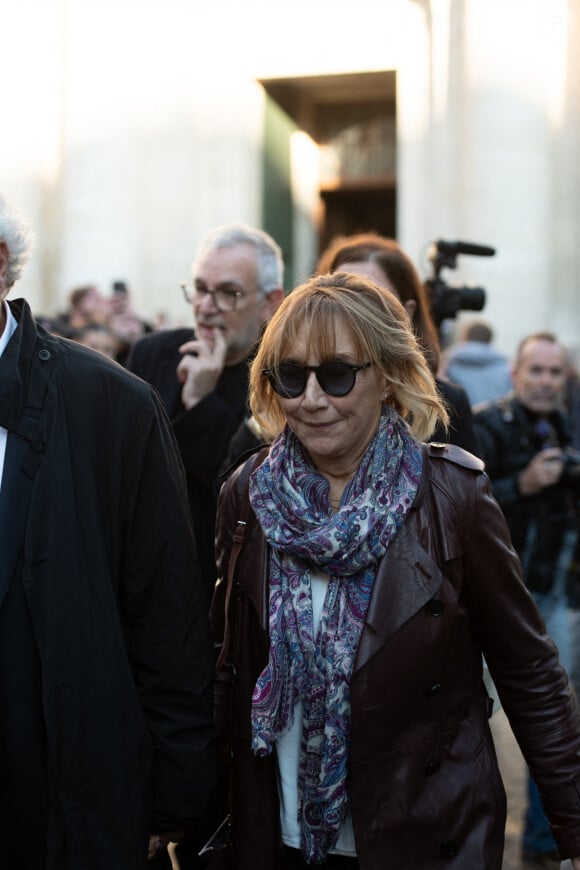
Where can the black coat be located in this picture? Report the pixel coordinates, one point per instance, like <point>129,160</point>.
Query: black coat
<point>462,429</point>
<point>538,523</point>
<point>115,598</point>
<point>203,432</point>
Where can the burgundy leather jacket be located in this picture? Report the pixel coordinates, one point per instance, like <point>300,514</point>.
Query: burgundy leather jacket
<point>425,786</point>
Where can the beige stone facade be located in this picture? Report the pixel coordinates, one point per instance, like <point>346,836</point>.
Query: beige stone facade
<point>132,126</point>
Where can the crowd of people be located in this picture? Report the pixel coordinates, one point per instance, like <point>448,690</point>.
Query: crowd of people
<point>108,323</point>
<point>253,568</point>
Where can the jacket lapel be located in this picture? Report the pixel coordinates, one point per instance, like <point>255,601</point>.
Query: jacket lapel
<point>26,367</point>
<point>14,500</point>
<point>394,602</point>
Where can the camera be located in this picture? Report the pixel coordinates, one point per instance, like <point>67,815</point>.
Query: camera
<point>445,300</point>
<point>545,436</point>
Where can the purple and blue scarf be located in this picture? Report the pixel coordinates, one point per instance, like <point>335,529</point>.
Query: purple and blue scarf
<point>291,501</point>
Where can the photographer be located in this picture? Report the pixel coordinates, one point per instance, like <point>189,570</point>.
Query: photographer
<point>535,479</point>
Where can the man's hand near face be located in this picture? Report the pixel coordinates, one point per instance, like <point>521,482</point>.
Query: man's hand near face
<point>200,368</point>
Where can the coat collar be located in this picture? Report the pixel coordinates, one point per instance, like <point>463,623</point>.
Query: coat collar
<point>407,578</point>
<point>14,499</point>
<point>25,369</point>
<point>393,602</point>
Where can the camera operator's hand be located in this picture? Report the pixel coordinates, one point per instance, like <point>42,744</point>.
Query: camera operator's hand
<point>544,470</point>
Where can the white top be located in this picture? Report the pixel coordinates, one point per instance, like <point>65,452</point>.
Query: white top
<point>288,753</point>
<point>11,325</point>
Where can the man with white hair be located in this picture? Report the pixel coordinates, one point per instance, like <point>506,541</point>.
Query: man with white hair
<point>105,660</point>
<point>202,375</point>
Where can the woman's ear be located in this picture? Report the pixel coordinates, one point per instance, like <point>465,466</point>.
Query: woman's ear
<point>411,307</point>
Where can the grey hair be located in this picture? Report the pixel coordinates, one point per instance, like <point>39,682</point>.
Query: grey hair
<point>17,237</point>
<point>270,264</point>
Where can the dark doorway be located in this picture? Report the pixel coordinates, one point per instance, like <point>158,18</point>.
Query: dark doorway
<point>350,210</point>
<point>352,119</point>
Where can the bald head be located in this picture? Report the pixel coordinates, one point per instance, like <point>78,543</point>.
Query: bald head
<point>539,373</point>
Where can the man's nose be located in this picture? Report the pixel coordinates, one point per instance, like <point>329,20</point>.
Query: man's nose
<point>207,303</point>
<point>548,379</point>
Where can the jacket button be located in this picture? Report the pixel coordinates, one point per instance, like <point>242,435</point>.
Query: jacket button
<point>448,849</point>
<point>432,767</point>
<point>435,607</point>
<point>239,590</point>
<point>434,690</point>
<point>44,355</point>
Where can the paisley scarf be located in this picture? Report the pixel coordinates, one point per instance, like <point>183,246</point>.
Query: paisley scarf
<point>291,501</point>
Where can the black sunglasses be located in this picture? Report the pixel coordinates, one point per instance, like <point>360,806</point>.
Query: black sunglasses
<point>335,378</point>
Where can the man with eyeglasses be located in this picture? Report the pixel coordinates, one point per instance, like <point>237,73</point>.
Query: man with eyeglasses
<point>535,478</point>
<point>203,376</point>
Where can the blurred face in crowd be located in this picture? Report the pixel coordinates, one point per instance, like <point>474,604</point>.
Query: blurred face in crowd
<point>231,270</point>
<point>539,376</point>
<point>92,307</point>
<point>336,430</point>
<point>372,270</point>
<point>101,340</point>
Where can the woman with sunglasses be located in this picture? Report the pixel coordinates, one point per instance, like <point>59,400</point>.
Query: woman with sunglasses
<point>362,575</point>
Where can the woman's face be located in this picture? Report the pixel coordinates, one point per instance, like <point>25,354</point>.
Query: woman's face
<point>369,270</point>
<point>373,271</point>
<point>336,431</point>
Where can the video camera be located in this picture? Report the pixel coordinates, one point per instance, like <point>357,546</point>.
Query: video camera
<point>445,300</point>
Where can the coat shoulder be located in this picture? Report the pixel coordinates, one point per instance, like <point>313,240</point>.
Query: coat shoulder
<point>84,372</point>
<point>236,478</point>
<point>452,453</point>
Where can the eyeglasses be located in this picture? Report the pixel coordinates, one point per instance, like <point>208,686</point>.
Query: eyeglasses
<point>335,378</point>
<point>224,296</point>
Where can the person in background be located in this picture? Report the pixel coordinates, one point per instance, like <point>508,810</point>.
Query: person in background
<point>384,261</point>
<point>106,749</point>
<point>86,304</point>
<point>362,575</point>
<point>524,438</point>
<point>126,325</point>
<point>95,335</point>
<point>202,374</point>
<point>474,364</point>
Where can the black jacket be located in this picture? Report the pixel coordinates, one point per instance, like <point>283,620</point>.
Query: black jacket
<point>115,598</point>
<point>203,433</point>
<point>461,424</point>
<point>510,438</point>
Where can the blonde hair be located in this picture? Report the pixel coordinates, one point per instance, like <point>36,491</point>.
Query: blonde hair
<point>382,334</point>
